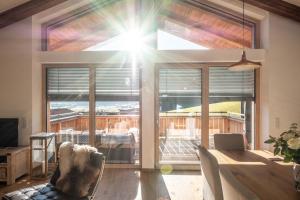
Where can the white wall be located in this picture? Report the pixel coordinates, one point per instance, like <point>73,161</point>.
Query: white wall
<point>280,84</point>
<point>19,84</point>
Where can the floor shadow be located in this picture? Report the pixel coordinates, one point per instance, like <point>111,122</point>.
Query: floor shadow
<point>119,184</point>
<point>130,184</point>
<point>153,186</point>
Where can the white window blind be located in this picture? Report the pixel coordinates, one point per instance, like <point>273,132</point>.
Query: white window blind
<point>232,85</point>
<point>68,84</point>
<point>117,83</point>
<point>180,82</point>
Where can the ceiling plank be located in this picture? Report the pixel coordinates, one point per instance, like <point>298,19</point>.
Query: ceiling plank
<point>278,7</point>
<point>209,22</point>
<point>195,35</point>
<point>26,10</point>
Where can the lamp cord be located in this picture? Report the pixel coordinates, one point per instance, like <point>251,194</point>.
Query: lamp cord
<point>243,25</point>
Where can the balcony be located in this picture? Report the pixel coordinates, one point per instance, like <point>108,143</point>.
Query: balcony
<point>118,135</point>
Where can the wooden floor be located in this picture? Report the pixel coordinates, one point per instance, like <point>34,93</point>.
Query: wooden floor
<point>130,184</point>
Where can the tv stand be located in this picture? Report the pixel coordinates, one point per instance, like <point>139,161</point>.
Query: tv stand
<point>16,163</point>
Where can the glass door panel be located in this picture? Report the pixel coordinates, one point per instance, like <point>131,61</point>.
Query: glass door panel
<point>231,103</point>
<point>118,113</point>
<point>179,115</point>
<point>68,103</point>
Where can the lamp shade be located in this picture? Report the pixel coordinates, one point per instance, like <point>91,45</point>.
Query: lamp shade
<point>244,64</point>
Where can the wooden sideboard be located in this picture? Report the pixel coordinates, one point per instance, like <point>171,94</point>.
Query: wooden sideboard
<point>15,163</point>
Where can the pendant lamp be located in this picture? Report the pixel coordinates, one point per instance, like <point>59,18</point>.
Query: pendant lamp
<point>244,64</point>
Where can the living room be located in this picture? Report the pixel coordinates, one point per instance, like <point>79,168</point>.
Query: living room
<point>145,83</point>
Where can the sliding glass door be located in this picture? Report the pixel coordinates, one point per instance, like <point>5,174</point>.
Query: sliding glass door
<point>97,105</point>
<point>196,101</point>
<point>179,127</point>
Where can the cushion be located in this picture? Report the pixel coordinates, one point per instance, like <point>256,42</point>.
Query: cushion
<point>79,168</point>
<point>39,192</point>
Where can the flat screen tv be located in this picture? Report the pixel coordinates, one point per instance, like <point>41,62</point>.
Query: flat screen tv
<point>9,128</point>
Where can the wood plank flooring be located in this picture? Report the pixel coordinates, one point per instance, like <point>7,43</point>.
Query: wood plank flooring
<point>130,184</point>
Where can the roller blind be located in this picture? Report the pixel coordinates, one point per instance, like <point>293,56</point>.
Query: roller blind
<point>68,84</point>
<point>233,85</point>
<point>117,83</point>
<point>184,82</point>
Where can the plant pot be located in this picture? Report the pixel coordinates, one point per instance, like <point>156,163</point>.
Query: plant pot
<point>296,173</point>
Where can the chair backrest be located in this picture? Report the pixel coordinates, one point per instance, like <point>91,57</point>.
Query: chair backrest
<point>210,171</point>
<point>233,189</point>
<point>98,160</point>
<point>229,141</point>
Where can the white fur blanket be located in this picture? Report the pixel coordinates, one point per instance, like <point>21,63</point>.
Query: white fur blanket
<point>77,173</point>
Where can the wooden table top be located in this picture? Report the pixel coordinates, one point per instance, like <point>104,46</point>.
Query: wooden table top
<point>256,169</point>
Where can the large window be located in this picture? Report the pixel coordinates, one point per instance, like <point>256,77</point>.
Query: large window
<point>178,25</point>
<point>196,101</point>
<point>194,25</point>
<point>115,113</point>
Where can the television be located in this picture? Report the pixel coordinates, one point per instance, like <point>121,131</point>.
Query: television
<point>9,128</point>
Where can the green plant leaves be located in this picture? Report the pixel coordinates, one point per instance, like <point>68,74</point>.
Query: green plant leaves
<point>269,141</point>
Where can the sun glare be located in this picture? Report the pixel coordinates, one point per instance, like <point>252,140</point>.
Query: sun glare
<point>133,41</point>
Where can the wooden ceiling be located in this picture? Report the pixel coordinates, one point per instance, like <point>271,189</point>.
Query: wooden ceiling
<point>204,27</point>
<point>19,12</point>
<point>181,19</point>
<point>86,30</point>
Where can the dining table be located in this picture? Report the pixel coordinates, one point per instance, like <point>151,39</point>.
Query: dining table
<point>261,172</point>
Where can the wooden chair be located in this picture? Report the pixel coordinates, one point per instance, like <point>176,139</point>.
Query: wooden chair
<point>212,189</point>
<point>229,141</point>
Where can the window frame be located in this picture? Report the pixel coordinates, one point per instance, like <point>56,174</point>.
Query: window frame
<point>205,105</point>
<point>92,104</point>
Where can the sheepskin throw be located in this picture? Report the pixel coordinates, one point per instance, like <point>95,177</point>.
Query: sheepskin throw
<point>77,171</point>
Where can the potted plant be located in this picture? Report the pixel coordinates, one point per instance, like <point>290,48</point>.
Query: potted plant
<point>288,146</point>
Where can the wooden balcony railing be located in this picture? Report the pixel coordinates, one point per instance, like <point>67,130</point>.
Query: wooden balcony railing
<point>109,123</point>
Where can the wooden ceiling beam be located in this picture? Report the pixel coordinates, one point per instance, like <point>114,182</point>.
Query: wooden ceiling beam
<point>26,10</point>
<point>278,7</point>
